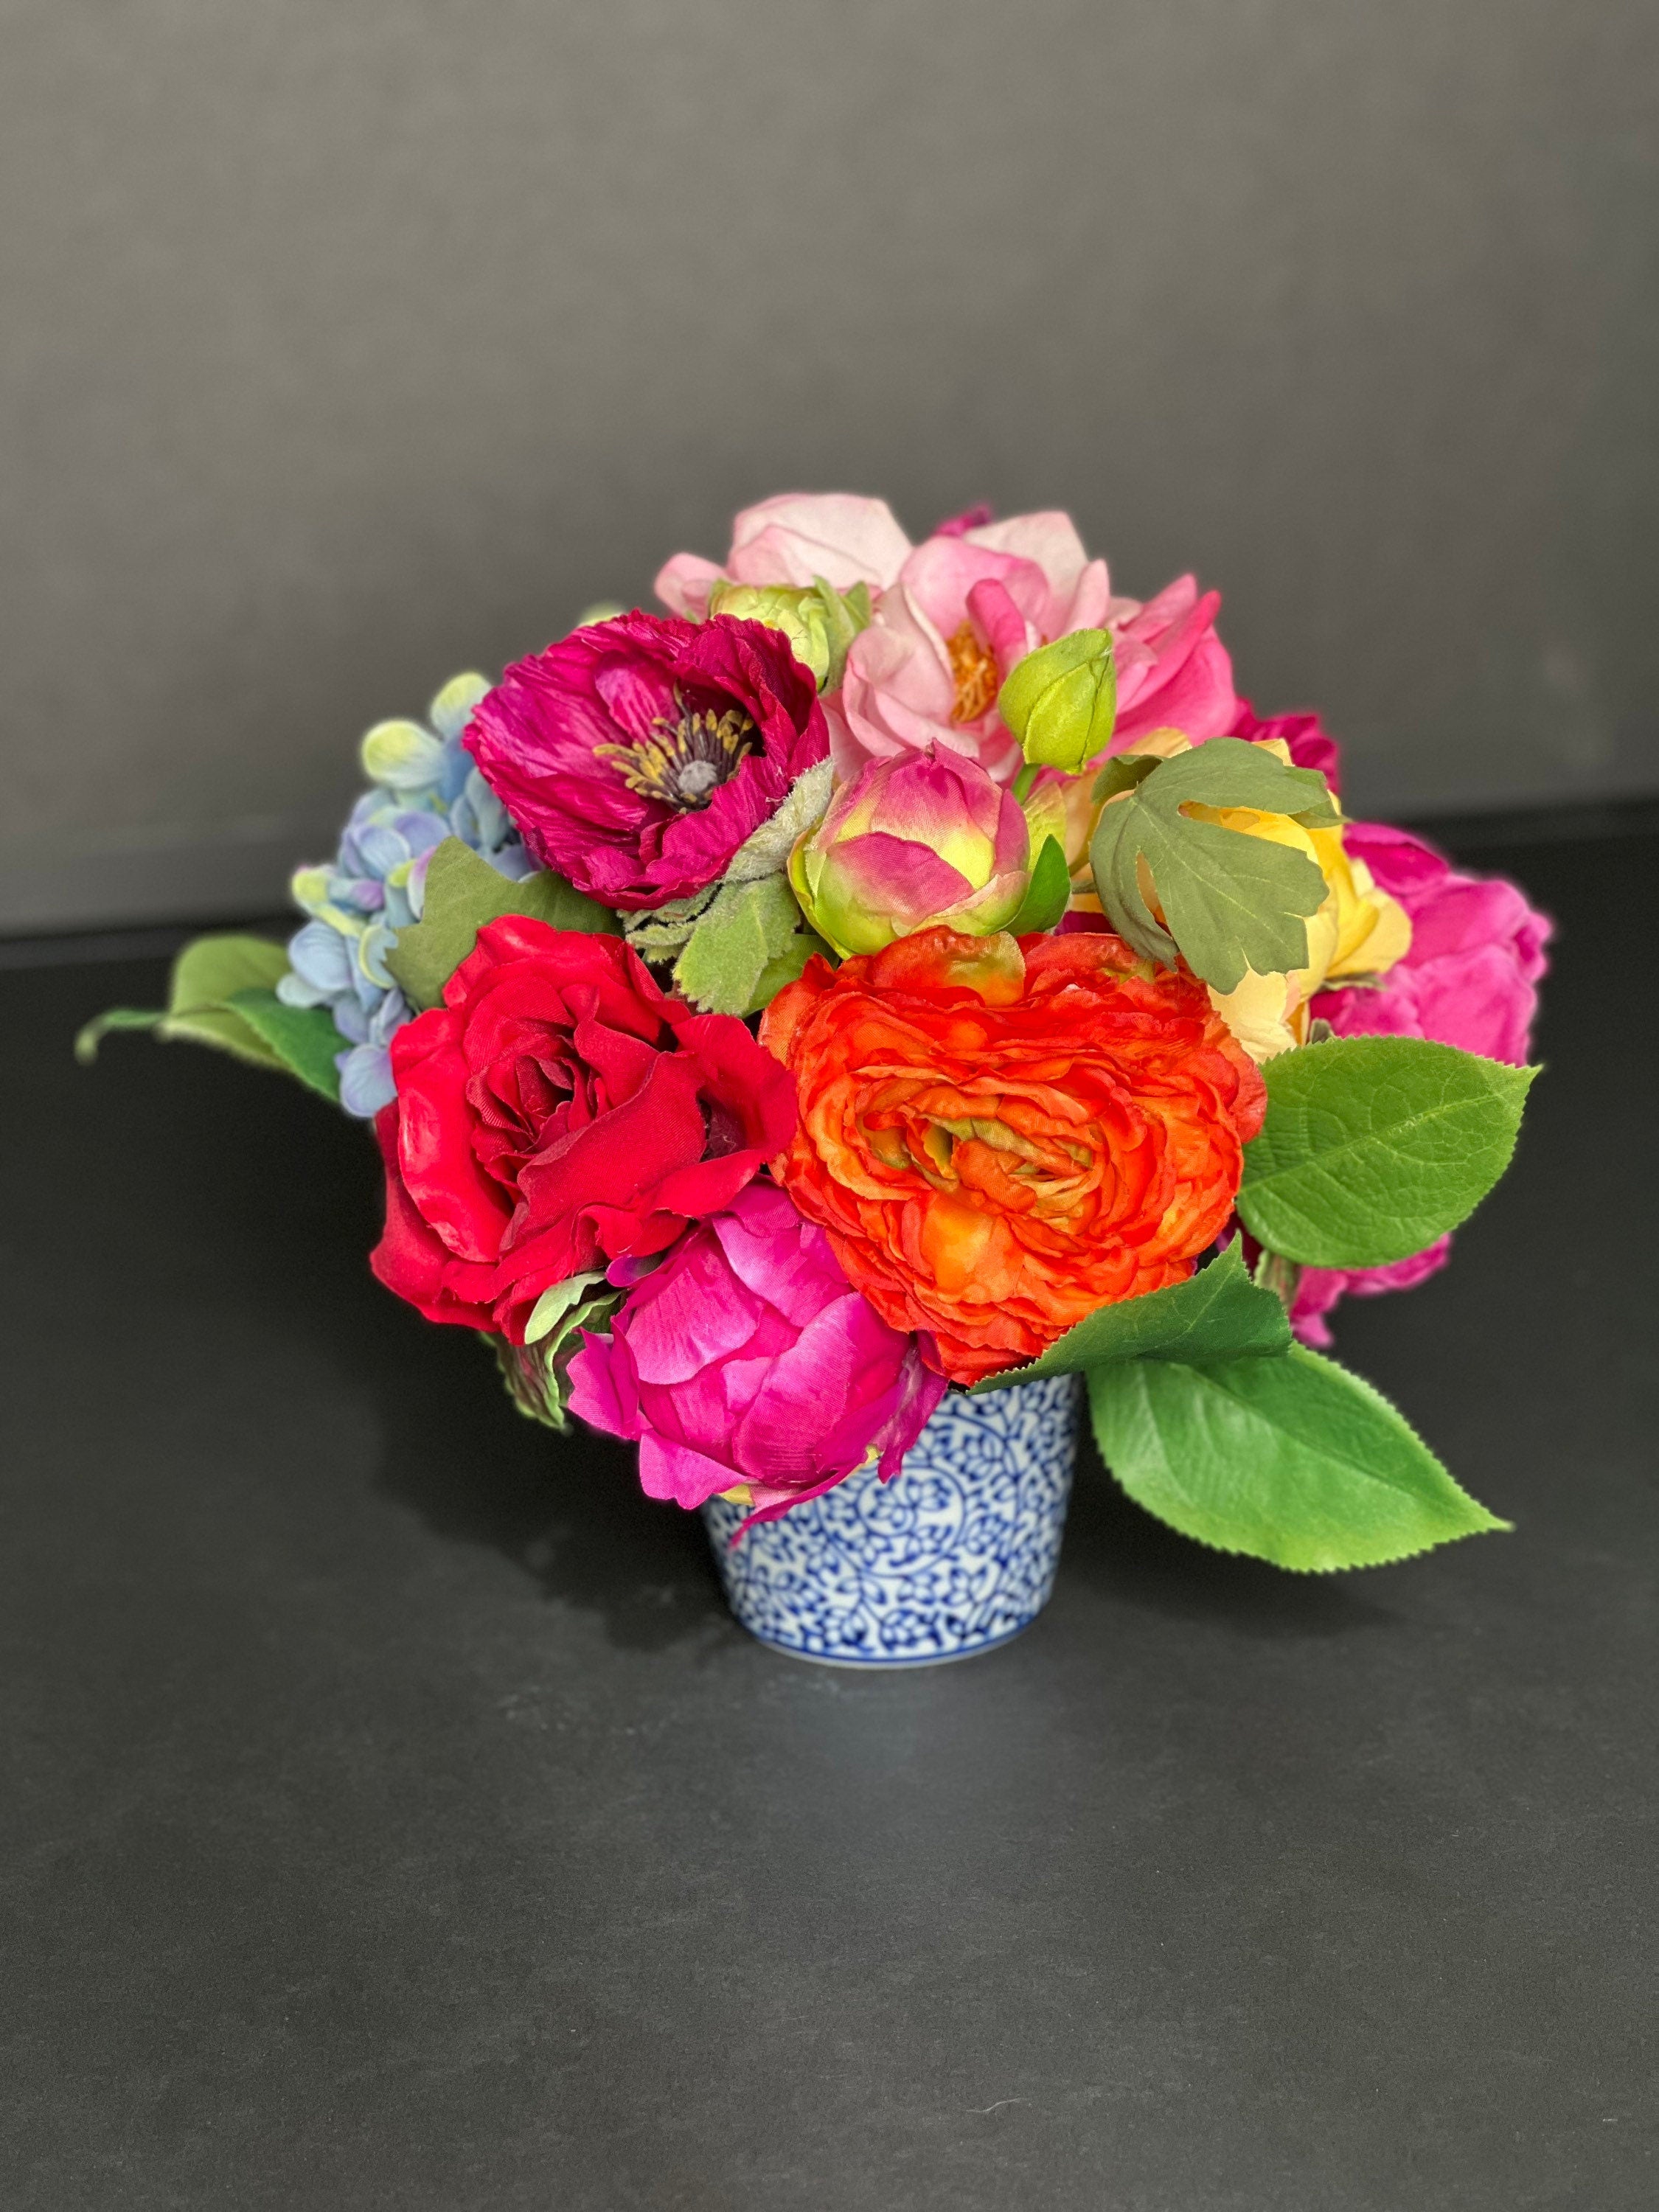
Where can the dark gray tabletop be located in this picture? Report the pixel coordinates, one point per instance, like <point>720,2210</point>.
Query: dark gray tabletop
<point>396,1820</point>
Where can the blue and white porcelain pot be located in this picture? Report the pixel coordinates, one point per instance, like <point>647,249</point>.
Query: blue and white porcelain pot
<point>954,1556</point>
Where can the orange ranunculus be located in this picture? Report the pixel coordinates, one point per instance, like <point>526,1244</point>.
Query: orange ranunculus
<point>1001,1136</point>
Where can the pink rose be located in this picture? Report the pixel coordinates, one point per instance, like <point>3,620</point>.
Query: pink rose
<point>793,539</point>
<point>1469,979</point>
<point>747,1358</point>
<point>969,603</point>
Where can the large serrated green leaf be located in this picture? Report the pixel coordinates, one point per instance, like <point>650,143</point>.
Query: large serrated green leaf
<point>1375,1146</point>
<point>463,892</point>
<point>1230,901</point>
<point>303,1039</point>
<point>1292,1460</point>
<point>1218,1312</point>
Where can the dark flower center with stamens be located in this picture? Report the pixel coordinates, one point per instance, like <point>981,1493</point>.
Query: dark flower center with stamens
<point>686,760</point>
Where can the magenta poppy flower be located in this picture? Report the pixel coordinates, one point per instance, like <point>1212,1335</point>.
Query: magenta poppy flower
<point>748,1359</point>
<point>636,754</point>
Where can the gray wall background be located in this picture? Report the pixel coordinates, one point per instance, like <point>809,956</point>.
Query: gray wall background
<point>344,343</point>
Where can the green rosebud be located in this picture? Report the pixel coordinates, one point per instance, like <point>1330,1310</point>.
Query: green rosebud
<point>1060,702</point>
<point>819,621</point>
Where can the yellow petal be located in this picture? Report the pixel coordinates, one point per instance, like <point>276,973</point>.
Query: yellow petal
<point>1259,1012</point>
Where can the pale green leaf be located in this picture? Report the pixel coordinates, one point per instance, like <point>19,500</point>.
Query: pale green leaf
<point>1215,1313</point>
<point>536,1373</point>
<point>1375,1146</point>
<point>206,976</point>
<point>214,968</point>
<point>1230,901</point>
<point>747,927</point>
<point>553,1305</point>
<point>463,892</point>
<point>1292,1460</point>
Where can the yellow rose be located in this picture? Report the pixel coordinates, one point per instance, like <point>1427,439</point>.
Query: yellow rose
<point>1359,931</point>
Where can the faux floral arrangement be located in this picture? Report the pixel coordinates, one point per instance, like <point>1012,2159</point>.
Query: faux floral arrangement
<point>899,968</point>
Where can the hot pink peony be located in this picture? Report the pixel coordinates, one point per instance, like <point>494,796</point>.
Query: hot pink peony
<point>637,755</point>
<point>1469,979</point>
<point>1310,744</point>
<point>969,603</point>
<point>794,539</point>
<point>747,1358</point>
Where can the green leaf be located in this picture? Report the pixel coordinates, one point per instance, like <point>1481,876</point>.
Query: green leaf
<point>536,1373</point>
<point>1214,1313</point>
<point>214,968</point>
<point>786,968</point>
<point>463,892</point>
<point>1230,901</point>
<point>206,976</point>
<point>1049,893</point>
<point>303,1039</point>
<point>1292,1459</point>
<point>735,943</point>
<point>1375,1146</point>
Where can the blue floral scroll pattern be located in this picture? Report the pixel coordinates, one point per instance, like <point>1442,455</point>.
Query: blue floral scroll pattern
<point>957,1553</point>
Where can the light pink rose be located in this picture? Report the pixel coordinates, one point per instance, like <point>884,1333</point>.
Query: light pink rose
<point>793,539</point>
<point>969,603</point>
<point>1469,979</point>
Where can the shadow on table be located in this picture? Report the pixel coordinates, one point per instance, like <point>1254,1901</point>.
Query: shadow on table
<point>568,1510</point>
<point>1124,1553</point>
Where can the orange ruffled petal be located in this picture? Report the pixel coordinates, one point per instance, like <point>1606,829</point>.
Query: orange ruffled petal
<point>1000,1137</point>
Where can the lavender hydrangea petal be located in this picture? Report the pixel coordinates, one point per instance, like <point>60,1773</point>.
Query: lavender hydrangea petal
<point>424,788</point>
<point>366,1082</point>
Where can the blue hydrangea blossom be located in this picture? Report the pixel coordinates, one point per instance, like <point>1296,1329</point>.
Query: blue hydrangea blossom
<point>425,788</point>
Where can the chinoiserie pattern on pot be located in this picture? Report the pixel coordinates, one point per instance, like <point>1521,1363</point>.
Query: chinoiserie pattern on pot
<point>955,1555</point>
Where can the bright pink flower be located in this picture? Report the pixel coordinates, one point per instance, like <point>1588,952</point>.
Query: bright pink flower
<point>1311,745</point>
<point>1469,979</point>
<point>1173,672</point>
<point>793,539</point>
<point>748,1358</point>
<point>969,603</point>
<point>1318,1289</point>
<point>1477,953</point>
<point>637,755</point>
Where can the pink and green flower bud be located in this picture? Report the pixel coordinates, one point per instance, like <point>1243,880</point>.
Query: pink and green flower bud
<point>924,840</point>
<point>1060,702</point>
<point>819,621</point>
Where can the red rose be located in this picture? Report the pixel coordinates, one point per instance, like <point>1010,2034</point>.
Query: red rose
<point>557,1112</point>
